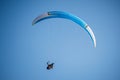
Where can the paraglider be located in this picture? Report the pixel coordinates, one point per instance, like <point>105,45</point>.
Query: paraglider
<point>49,66</point>
<point>66,15</point>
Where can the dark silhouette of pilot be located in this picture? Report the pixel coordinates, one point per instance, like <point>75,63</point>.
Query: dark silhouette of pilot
<point>49,66</point>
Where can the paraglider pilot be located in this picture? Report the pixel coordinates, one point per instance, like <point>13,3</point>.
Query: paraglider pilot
<point>49,66</point>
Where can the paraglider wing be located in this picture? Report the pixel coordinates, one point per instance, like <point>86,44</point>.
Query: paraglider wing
<point>65,15</point>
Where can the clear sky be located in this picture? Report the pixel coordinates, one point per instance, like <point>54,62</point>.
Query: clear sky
<point>25,49</point>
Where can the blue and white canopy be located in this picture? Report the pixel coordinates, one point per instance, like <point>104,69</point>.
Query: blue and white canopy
<point>66,15</point>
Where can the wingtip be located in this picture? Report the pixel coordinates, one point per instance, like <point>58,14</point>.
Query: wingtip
<point>89,30</point>
<point>33,23</point>
<point>94,45</point>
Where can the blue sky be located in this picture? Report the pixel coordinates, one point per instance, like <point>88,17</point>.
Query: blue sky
<point>25,49</point>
